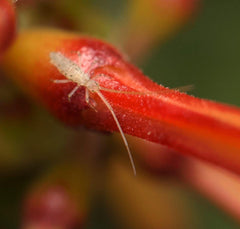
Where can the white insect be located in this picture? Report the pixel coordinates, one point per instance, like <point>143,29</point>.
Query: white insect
<point>74,73</point>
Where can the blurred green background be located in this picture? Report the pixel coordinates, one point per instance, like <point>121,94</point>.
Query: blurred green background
<point>205,53</point>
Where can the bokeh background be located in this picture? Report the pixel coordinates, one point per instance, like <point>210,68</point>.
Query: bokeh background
<point>205,52</point>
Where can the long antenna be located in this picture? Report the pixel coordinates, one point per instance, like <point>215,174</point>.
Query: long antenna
<point>120,129</point>
<point>180,89</point>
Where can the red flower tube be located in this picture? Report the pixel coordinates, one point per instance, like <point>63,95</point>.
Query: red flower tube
<point>189,125</point>
<point>217,184</point>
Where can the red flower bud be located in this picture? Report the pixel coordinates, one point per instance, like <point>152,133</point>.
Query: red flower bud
<point>51,208</point>
<point>59,200</point>
<point>189,125</point>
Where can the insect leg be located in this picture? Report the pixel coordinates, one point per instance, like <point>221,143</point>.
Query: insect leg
<point>120,129</point>
<point>61,81</point>
<point>87,96</point>
<point>72,92</point>
<point>88,101</point>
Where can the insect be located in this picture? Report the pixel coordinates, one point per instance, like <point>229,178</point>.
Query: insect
<point>74,73</point>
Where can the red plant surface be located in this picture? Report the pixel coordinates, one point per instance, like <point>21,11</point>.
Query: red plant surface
<point>7,24</point>
<point>189,125</point>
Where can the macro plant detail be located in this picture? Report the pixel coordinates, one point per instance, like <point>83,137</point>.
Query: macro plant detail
<point>87,82</point>
<point>75,74</point>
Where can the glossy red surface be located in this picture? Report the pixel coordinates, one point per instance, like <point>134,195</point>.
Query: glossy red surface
<point>189,125</point>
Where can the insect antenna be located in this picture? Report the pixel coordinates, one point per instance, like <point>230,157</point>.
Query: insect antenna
<point>120,129</point>
<point>180,89</point>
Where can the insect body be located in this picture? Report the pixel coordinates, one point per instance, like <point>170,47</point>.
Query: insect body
<point>74,73</point>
